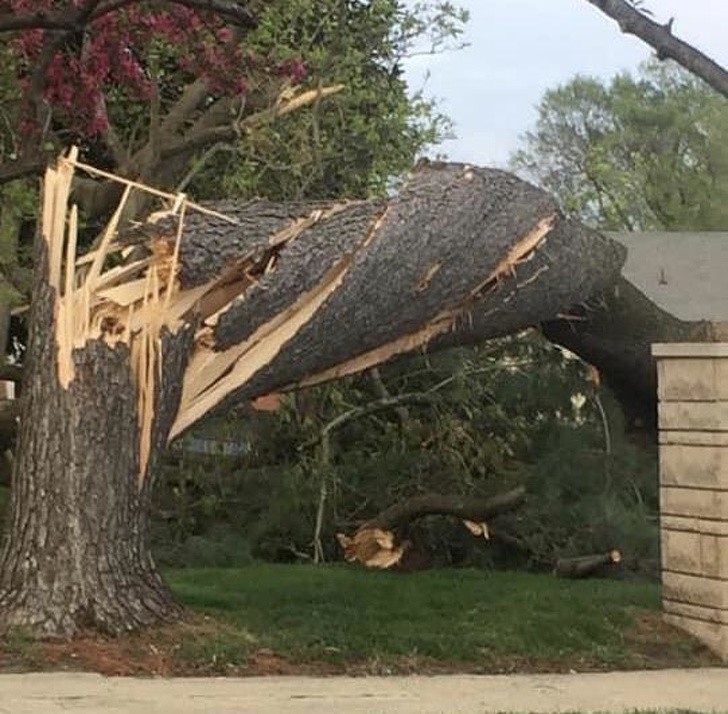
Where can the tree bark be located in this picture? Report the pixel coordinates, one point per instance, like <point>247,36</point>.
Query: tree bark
<point>615,332</point>
<point>78,553</point>
<point>461,255</point>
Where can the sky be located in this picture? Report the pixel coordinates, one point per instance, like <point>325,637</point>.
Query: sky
<point>520,48</point>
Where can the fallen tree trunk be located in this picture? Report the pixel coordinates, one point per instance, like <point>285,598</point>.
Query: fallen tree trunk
<point>459,248</point>
<point>202,306</point>
<point>376,545</point>
<point>615,332</point>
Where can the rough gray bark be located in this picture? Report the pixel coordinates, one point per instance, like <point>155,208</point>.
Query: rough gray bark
<point>615,332</point>
<point>434,247</point>
<point>77,553</point>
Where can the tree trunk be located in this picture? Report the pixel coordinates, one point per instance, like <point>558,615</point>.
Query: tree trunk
<point>78,552</point>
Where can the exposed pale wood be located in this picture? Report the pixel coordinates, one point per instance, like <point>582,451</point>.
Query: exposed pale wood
<point>121,272</point>
<point>407,343</point>
<point>206,386</point>
<point>100,256</point>
<point>67,313</point>
<point>89,257</point>
<point>62,190</point>
<point>306,98</point>
<point>126,294</point>
<point>174,265</point>
<point>92,170</point>
<point>148,358</point>
<point>519,252</point>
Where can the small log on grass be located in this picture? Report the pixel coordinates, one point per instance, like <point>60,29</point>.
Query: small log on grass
<point>375,545</point>
<point>586,565</point>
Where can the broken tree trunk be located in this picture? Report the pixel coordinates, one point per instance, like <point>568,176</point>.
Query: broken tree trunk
<point>132,344</point>
<point>375,543</point>
<point>78,553</point>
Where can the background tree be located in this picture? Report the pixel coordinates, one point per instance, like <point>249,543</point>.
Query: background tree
<point>637,153</point>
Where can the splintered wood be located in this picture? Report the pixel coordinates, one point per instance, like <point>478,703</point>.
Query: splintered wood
<point>133,300</point>
<point>129,303</point>
<point>372,547</point>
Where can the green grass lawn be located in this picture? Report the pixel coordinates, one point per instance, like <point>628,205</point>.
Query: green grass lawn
<point>473,620</point>
<point>277,619</point>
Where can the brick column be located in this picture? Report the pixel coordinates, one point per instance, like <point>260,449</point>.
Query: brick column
<point>693,422</point>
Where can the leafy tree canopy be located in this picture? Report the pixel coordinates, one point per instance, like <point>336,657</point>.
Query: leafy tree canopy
<point>642,152</point>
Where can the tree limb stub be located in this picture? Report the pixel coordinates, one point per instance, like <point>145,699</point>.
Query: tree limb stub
<point>633,22</point>
<point>283,295</point>
<point>374,544</point>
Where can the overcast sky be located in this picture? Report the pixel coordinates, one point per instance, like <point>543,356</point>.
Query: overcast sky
<point>520,48</point>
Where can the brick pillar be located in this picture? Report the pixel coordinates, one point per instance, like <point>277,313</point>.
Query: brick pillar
<point>693,422</point>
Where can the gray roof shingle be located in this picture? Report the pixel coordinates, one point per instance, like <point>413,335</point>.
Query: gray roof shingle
<point>686,274</point>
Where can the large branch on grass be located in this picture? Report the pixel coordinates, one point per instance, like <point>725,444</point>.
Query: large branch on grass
<point>633,22</point>
<point>464,508</point>
<point>375,544</point>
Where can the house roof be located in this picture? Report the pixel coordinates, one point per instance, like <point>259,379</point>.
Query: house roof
<point>686,274</point>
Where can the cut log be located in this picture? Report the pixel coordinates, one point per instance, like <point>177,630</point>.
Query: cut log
<point>375,544</point>
<point>586,565</point>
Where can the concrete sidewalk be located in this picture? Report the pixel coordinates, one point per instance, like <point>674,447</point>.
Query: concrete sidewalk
<point>699,689</point>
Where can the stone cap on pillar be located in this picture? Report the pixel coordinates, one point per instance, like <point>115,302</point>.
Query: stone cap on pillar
<point>690,350</point>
